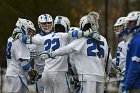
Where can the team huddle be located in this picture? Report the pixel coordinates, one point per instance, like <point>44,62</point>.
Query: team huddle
<point>44,59</point>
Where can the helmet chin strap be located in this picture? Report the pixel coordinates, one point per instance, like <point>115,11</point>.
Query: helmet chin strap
<point>45,32</point>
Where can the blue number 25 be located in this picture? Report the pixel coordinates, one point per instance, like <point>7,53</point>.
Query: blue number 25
<point>91,49</point>
<point>53,44</point>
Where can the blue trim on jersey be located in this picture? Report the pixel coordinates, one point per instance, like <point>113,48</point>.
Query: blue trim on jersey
<point>36,87</point>
<point>30,40</point>
<point>26,67</point>
<point>8,50</point>
<point>132,74</point>
<point>67,83</point>
<point>80,89</point>
<point>23,82</point>
<point>24,38</point>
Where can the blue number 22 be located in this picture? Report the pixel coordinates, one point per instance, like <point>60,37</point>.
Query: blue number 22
<point>53,44</point>
<point>91,49</point>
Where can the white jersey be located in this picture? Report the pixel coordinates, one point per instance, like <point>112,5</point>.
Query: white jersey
<point>8,50</point>
<point>71,60</point>
<point>52,42</point>
<point>31,47</point>
<point>88,63</point>
<point>39,64</point>
<point>18,50</point>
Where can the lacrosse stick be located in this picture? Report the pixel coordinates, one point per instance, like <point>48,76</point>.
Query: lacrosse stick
<point>93,18</point>
<point>118,69</point>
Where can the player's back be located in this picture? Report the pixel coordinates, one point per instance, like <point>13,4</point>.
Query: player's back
<point>53,42</point>
<point>88,60</point>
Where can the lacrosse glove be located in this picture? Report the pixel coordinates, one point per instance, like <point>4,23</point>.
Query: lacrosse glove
<point>93,34</point>
<point>46,55</point>
<point>33,75</point>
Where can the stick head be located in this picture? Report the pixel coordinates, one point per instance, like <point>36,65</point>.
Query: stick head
<point>93,18</point>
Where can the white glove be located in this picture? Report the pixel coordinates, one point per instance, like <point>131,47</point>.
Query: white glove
<point>75,33</point>
<point>46,55</point>
<point>95,35</point>
<point>92,34</point>
<point>88,32</point>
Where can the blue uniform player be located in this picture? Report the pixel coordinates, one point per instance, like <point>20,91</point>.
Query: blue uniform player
<point>132,74</point>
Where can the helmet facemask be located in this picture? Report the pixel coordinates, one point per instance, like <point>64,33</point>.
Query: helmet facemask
<point>26,26</point>
<point>118,29</point>
<point>31,32</point>
<point>46,26</point>
<point>133,19</point>
<point>45,23</point>
<point>120,26</point>
<point>59,28</point>
<point>61,24</point>
<point>86,27</point>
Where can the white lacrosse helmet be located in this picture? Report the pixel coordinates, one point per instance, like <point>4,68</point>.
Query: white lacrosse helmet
<point>120,25</point>
<point>45,19</point>
<point>26,26</point>
<point>83,22</point>
<point>89,21</point>
<point>61,21</point>
<point>134,16</point>
<point>121,21</point>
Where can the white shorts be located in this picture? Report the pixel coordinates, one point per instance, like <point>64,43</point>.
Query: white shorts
<point>91,87</point>
<point>55,82</point>
<point>17,84</point>
<point>39,86</point>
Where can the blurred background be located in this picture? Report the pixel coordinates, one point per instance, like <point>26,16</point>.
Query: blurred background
<point>109,11</point>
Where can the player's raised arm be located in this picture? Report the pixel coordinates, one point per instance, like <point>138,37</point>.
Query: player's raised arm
<point>74,46</point>
<point>91,33</point>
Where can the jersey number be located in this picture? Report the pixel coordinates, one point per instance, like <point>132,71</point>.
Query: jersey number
<point>118,56</point>
<point>8,50</point>
<point>52,44</point>
<point>91,49</point>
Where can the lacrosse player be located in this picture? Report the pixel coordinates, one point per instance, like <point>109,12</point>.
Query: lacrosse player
<point>55,67</point>
<point>54,75</point>
<point>19,66</point>
<point>45,23</point>
<point>52,42</point>
<point>120,62</point>
<point>132,74</point>
<point>89,57</point>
